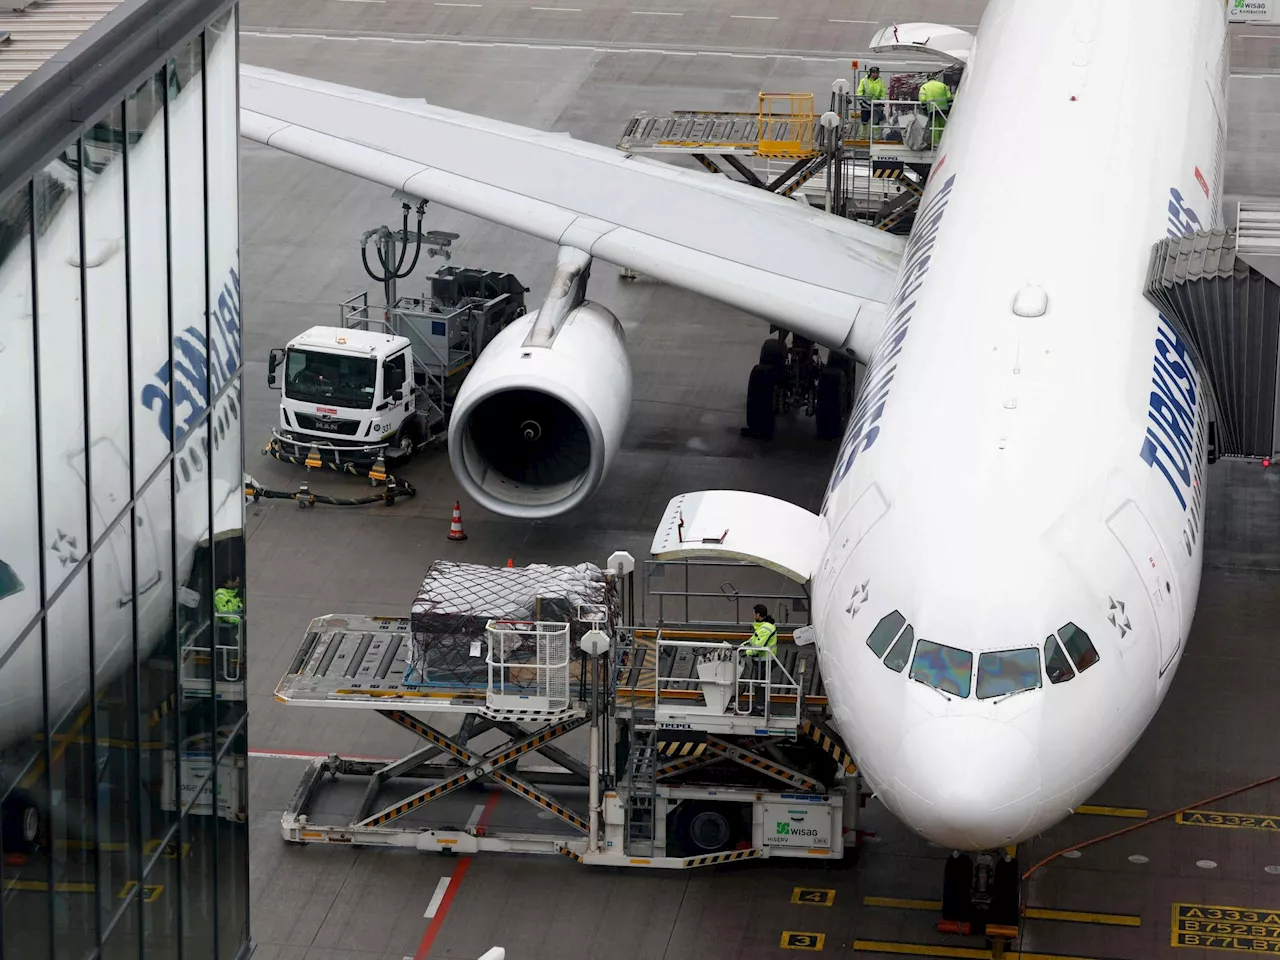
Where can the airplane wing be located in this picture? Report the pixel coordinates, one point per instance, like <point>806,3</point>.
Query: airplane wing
<point>818,275</point>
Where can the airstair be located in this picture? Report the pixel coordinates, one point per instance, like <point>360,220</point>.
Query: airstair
<point>1220,289</point>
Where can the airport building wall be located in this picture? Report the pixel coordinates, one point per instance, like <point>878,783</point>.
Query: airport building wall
<point>123,725</point>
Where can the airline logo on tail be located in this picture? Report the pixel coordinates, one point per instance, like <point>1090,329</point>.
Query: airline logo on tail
<point>194,360</point>
<point>863,422</point>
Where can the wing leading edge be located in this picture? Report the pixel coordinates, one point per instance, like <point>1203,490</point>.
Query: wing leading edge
<point>820,276</point>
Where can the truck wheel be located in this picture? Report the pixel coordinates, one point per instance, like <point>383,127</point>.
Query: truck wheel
<point>21,823</point>
<point>760,391</point>
<point>401,447</point>
<point>703,827</point>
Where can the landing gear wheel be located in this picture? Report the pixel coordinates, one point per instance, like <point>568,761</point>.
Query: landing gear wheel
<point>957,888</point>
<point>1006,890</point>
<point>833,403</point>
<point>774,353</point>
<point>760,390</point>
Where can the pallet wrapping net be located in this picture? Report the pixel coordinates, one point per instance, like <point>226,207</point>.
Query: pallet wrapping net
<point>457,600</point>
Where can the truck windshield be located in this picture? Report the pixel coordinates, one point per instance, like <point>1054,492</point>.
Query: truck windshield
<point>330,378</point>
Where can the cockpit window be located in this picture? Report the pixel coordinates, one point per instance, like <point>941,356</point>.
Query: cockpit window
<point>1078,647</point>
<point>1055,662</point>
<point>9,582</point>
<point>1008,671</point>
<point>901,651</point>
<point>943,668</point>
<point>884,632</point>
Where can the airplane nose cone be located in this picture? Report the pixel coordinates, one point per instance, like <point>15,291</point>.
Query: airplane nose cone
<point>967,783</point>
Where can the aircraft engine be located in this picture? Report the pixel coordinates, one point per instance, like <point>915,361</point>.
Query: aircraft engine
<point>534,428</point>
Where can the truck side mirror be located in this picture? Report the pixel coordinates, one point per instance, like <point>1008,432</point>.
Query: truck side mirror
<point>274,359</point>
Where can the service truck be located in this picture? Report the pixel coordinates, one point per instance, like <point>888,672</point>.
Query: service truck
<point>381,384</point>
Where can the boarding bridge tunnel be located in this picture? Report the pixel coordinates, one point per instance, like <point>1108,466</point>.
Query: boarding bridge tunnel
<point>1220,290</point>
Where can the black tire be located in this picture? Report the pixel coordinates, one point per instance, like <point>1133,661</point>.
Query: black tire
<point>1006,906</point>
<point>760,391</point>
<point>833,403</point>
<point>957,889</point>
<point>703,827</point>
<point>774,353</point>
<point>21,823</point>
<point>395,456</point>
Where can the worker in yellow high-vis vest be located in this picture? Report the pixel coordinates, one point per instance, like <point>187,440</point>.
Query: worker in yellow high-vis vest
<point>870,89</point>
<point>757,651</point>
<point>937,94</point>
<point>228,605</point>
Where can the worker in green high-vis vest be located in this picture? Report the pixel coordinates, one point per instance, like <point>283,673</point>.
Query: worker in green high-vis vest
<point>937,94</point>
<point>757,651</point>
<point>227,602</point>
<point>871,89</point>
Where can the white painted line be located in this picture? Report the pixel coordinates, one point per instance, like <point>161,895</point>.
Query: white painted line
<point>436,897</point>
<point>1259,36</point>
<point>558,9</point>
<point>666,52</point>
<point>1255,76</point>
<point>853,21</point>
<point>476,814</point>
<point>362,1</point>
<point>440,3</point>
<point>748,16</point>
<point>655,13</point>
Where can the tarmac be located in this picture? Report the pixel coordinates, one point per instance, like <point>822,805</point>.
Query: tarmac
<point>585,67</point>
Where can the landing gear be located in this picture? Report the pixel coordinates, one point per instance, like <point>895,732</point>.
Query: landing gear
<point>981,895</point>
<point>793,376</point>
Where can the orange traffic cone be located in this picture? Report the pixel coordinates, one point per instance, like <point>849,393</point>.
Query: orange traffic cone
<point>455,527</point>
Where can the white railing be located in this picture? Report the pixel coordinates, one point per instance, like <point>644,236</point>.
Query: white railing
<point>718,676</point>
<point>528,665</point>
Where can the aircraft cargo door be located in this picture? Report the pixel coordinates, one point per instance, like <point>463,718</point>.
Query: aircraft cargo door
<point>1140,543</point>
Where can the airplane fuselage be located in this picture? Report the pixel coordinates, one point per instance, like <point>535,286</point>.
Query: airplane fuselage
<point>1026,460</point>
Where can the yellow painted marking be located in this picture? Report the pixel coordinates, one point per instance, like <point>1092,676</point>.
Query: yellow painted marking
<point>42,887</point>
<point>311,835</point>
<point>169,854</point>
<point>1032,913</point>
<point>1213,927</point>
<point>797,940</point>
<point>902,903</point>
<point>965,953</point>
<point>150,891</point>
<point>639,861</point>
<point>1083,916</point>
<point>813,895</point>
<point>1231,821</point>
<point>1132,813</point>
<point>446,842</point>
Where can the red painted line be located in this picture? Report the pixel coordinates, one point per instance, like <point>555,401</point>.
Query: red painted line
<point>455,882</point>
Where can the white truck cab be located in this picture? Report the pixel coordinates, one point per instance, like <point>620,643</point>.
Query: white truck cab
<point>346,388</point>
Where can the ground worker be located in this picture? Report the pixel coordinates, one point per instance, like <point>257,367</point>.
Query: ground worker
<point>764,637</point>
<point>870,89</point>
<point>937,95</point>
<point>227,602</point>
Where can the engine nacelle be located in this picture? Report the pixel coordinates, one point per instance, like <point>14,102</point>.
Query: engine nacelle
<point>534,429</point>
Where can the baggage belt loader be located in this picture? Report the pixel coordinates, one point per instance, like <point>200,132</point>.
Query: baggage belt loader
<point>688,762</point>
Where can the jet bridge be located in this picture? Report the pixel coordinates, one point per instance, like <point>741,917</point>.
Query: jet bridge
<point>690,762</point>
<point>1221,290</point>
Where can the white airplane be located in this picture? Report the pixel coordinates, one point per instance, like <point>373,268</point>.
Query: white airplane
<point>1006,563</point>
<point>57,298</point>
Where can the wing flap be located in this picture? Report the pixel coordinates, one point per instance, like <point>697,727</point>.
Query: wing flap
<point>810,272</point>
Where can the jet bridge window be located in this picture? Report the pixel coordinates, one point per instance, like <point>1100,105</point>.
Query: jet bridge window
<point>944,668</point>
<point>1055,662</point>
<point>884,633</point>
<point>9,582</point>
<point>1008,671</point>
<point>1079,647</point>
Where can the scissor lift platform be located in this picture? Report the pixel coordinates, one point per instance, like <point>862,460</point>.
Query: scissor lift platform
<point>700,737</point>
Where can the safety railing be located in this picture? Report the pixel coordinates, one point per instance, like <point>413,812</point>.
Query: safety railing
<point>716,670</point>
<point>786,124</point>
<point>528,665</point>
<point>203,667</point>
<point>698,592</point>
